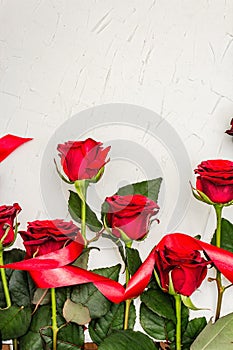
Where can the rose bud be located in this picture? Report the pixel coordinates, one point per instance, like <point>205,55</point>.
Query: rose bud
<point>215,180</point>
<point>130,215</point>
<point>8,215</point>
<point>45,236</point>
<point>230,131</point>
<point>83,160</point>
<point>181,265</point>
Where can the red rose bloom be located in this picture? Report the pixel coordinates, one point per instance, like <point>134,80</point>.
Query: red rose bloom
<point>7,222</point>
<point>46,236</point>
<point>131,214</point>
<point>230,131</point>
<point>82,160</point>
<point>215,180</point>
<point>184,264</point>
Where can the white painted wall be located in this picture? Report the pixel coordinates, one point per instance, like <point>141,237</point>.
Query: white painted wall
<point>58,58</point>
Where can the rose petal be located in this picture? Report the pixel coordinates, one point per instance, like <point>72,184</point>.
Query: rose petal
<point>9,143</point>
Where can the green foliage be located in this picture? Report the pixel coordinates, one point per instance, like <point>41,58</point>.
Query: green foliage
<point>226,235</point>
<point>39,336</point>
<point>160,303</point>
<point>74,205</point>
<point>128,339</point>
<point>216,336</point>
<point>69,337</point>
<point>133,260</point>
<point>101,328</point>
<point>155,325</point>
<point>148,189</point>
<point>193,329</point>
<point>89,296</point>
<point>14,321</point>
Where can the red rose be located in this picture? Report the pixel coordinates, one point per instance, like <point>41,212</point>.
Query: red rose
<point>46,236</point>
<point>82,160</point>
<point>183,263</point>
<point>130,214</point>
<point>215,180</point>
<point>7,222</point>
<point>230,131</point>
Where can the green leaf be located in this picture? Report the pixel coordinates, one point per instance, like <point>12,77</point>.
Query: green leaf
<point>216,336</point>
<point>32,340</point>
<point>74,205</point>
<point>69,337</point>
<point>194,327</point>
<point>128,339</point>
<point>14,322</point>
<point>156,326</point>
<point>82,260</point>
<point>88,295</point>
<point>226,235</point>
<point>22,288</point>
<point>148,188</point>
<point>160,303</point>
<point>76,312</point>
<point>184,317</point>
<point>9,257</point>
<point>133,260</point>
<point>101,328</point>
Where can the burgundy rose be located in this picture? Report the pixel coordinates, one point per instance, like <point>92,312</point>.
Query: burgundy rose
<point>185,265</point>
<point>130,214</point>
<point>7,222</point>
<point>45,236</point>
<point>230,131</point>
<point>215,180</point>
<point>82,160</point>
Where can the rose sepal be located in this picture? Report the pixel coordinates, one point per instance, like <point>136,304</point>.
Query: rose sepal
<point>81,188</point>
<point>199,195</point>
<point>62,176</point>
<point>124,237</point>
<point>98,176</point>
<point>189,304</point>
<point>171,289</point>
<point>5,235</point>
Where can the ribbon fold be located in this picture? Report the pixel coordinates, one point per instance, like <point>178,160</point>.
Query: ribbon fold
<point>54,270</point>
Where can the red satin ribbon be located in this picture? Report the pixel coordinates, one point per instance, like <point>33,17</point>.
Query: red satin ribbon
<point>9,143</point>
<point>53,270</point>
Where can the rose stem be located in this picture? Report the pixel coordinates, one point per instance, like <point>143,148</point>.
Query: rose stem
<point>83,212</point>
<point>220,288</point>
<point>6,289</point>
<point>54,317</point>
<point>4,279</point>
<point>178,321</point>
<point>128,301</point>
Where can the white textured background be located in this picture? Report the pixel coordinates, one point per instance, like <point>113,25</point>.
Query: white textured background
<point>57,58</point>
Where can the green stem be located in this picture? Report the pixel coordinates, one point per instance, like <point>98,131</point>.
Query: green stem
<point>4,280</point>
<point>83,195</point>
<point>128,301</point>
<point>218,210</point>
<point>54,317</point>
<point>6,290</point>
<point>178,321</point>
<point>220,288</point>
